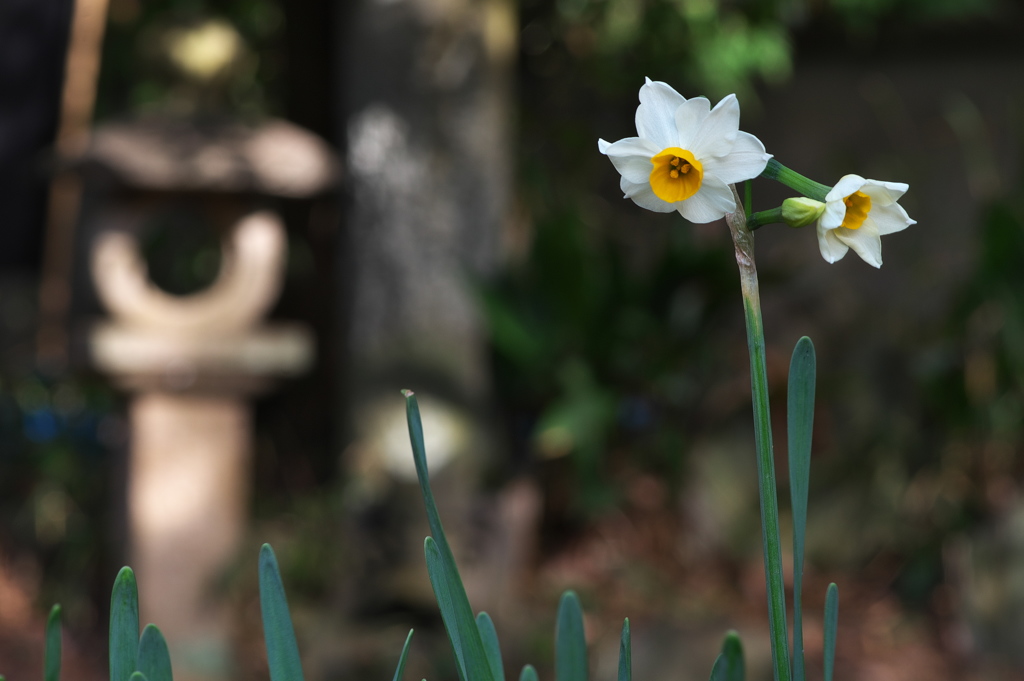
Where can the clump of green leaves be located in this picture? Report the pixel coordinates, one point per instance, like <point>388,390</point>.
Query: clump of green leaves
<point>146,657</point>
<point>132,657</point>
<point>476,648</point>
<point>473,638</point>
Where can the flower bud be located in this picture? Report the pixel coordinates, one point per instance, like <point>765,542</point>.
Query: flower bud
<point>801,211</point>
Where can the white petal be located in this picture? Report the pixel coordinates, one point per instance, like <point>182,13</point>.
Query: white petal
<point>628,146</point>
<point>884,193</point>
<point>890,219</point>
<point>865,242</point>
<point>689,117</point>
<point>847,185</point>
<point>655,117</point>
<point>711,202</point>
<point>643,196</point>
<point>718,132</point>
<point>834,214</point>
<point>832,249</point>
<point>745,162</point>
<point>631,157</point>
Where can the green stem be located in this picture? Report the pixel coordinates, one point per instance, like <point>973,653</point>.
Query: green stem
<point>794,180</point>
<point>764,217</point>
<point>743,240</point>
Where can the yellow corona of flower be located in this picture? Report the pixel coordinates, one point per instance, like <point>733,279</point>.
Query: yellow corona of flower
<point>686,154</point>
<point>857,214</point>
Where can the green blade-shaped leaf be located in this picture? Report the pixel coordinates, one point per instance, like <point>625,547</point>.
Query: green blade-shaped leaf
<point>528,674</point>
<point>489,636</point>
<point>831,625</point>
<point>278,634</point>
<point>443,595</point>
<point>419,454</point>
<point>720,668</point>
<point>124,625</point>
<point>570,641</point>
<point>154,658</point>
<point>732,649</point>
<point>402,658</point>
<point>800,424</point>
<point>51,664</point>
<point>444,573</point>
<point>462,631</point>
<point>729,665</point>
<point>625,653</point>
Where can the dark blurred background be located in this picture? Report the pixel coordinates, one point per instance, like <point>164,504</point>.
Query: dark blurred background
<point>589,357</point>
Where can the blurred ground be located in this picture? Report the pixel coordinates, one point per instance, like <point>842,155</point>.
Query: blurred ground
<point>22,628</point>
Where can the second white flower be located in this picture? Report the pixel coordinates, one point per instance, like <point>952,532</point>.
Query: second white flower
<point>858,213</point>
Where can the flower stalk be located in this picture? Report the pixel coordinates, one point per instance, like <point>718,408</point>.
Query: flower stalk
<point>794,180</point>
<point>743,240</point>
<point>764,217</point>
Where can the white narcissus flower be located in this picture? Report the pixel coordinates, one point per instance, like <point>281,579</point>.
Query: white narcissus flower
<point>687,154</point>
<point>857,213</point>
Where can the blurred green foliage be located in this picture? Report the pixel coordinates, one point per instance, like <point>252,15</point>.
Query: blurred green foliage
<point>594,354</point>
<point>56,437</point>
<point>714,47</point>
<point>182,250</point>
<point>990,396</point>
<point>976,399</point>
<point>140,75</point>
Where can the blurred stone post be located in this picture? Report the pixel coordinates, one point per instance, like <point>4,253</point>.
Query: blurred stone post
<point>428,110</point>
<point>192,363</point>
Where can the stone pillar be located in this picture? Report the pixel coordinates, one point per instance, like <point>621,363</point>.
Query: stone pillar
<point>192,363</point>
<point>188,500</point>
<point>426,87</point>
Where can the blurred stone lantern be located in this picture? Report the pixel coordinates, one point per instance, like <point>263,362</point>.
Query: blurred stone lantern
<point>192,362</point>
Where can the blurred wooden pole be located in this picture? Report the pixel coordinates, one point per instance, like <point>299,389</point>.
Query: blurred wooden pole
<point>81,72</point>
